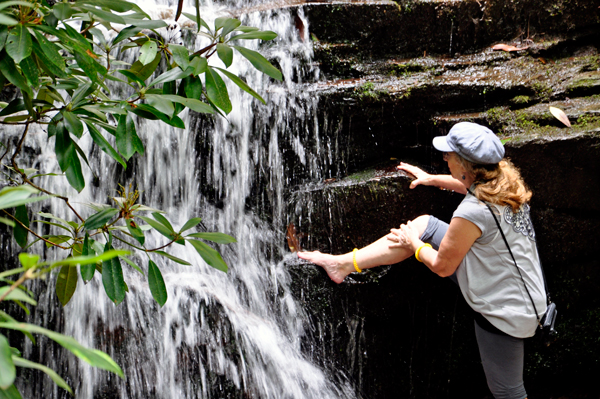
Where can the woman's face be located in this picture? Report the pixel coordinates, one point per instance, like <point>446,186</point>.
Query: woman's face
<point>456,168</point>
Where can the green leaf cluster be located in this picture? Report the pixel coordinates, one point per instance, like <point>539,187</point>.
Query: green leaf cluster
<point>10,358</point>
<point>87,257</point>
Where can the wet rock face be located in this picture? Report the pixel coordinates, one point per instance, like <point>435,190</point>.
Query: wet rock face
<point>410,27</point>
<point>396,75</point>
<point>397,106</point>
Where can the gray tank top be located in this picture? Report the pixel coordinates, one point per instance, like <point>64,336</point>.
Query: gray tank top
<point>487,275</point>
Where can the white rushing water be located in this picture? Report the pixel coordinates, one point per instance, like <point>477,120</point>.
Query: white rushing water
<point>219,335</point>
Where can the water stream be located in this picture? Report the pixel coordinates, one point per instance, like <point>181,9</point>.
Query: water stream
<point>219,335</point>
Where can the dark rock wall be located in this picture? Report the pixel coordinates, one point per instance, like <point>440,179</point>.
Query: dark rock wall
<point>410,27</point>
<point>400,331</point>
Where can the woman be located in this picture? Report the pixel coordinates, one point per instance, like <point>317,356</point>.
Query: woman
<point>472,250</point>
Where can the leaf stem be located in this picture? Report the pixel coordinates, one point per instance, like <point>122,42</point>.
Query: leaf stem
<point>144,249</point>
<point>159,248</point>
<point>204,50</point>
<point>128,243</point>
<point>26,276</point>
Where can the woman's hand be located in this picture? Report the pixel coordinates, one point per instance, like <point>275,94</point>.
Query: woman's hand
<point>422,177</point>
<point>412,234</point>
<point>404,237</point>
<point>398,239</point>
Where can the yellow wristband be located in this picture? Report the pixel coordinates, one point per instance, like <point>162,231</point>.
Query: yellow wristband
<point>354,260</point>
<point>419,250</point>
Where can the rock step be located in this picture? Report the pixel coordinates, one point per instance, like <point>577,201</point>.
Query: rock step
<point>536,121</point>
<point>396,114</point>
<point>537,78</point>
<point>412,28</point>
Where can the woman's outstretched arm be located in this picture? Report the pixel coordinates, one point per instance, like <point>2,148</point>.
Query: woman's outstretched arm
<point>421,177</point>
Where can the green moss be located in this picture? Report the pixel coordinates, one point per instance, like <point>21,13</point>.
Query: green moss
<point>497,115</point>
<point>331,62</point>
<point>585,120</point>
<point>362,175</point>
<point>406,94</point>
<point>524,121</point>
<point>542,91</point>
<point>556,9</point>
<point>591,64</point>
<point>367,87</point>
<point>405,5</point>
<point>520,124</point>
<point>405,69</point>
<point>368,91</point>
<point>585,81</point>
<point>521,100</point>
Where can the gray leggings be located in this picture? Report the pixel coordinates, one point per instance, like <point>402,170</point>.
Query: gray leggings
<point>501,355</point>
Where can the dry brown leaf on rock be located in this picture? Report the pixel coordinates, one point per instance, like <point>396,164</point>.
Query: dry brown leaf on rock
<point>507,47</point>
<point>560,115</point>
<point>292,238</point>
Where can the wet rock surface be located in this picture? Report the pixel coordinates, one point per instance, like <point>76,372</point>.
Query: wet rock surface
<point>394,76</point>
<point>413,27</point>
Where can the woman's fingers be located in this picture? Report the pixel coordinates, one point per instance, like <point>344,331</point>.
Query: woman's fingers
<point>398,237</point>
<point>410,168</point>
<point>393,236</point>
<point>418,173</point>
<point>410,231</point>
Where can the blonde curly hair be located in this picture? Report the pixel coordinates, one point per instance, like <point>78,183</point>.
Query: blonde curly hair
<point>499,184</point>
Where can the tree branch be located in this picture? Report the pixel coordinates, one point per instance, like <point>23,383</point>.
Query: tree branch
<point>5,152</point>
<point>31,231</point>
<point>26,179</point>
<point>18,149</point>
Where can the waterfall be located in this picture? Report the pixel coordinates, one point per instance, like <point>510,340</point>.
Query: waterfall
<point>219,335</point>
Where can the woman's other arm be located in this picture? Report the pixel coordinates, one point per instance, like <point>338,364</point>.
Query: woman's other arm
<point>456,243</point>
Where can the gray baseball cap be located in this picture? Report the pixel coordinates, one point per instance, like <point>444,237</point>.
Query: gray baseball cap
<point>473,142</point>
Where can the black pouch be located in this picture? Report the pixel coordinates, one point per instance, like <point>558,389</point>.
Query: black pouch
<point>546,331</point>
